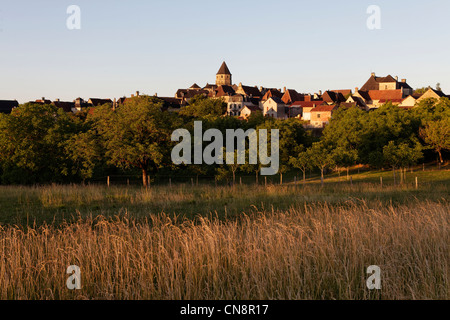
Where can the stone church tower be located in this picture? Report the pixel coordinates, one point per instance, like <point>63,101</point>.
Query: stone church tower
<point>223,77</point>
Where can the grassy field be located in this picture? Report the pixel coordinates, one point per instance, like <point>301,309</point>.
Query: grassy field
<point>290,241</point>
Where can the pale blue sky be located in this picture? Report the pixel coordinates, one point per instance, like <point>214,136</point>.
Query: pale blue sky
<point>160,46</point>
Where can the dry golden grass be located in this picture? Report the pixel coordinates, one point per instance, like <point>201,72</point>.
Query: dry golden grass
<point>320,251</point>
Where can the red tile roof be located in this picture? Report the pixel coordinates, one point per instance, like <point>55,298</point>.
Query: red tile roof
<point>386,95</point>
<point>324,108</point>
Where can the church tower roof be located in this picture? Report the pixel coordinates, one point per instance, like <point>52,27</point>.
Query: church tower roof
<point>224,69</point>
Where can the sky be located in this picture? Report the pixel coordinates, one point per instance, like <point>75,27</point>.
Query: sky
<point>160,46</point>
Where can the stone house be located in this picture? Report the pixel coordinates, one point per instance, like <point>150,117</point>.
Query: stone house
<point>237,102</point>
<point>431,93</point>
<point>321,115</point>
<point>274,107</point>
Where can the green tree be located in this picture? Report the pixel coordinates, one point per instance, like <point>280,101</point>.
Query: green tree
<point>86,153</point>
<point>303,161</point>
<point>229,170</point>
<point>388,123</point>
<point>32,144</point>
<point>345,157</point>
<point>322,157</point>
<point>436,134</point>
<point>402,154</point>
<point>201,107</point>
<point>292,138</point>
<point>137,135</point>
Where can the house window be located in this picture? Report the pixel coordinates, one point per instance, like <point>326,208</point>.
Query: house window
<point>318,116</point>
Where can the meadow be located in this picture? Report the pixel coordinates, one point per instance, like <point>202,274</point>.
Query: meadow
<point>289,241</point>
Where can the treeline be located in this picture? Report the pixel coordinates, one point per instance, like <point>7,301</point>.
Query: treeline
<point>42,144</point>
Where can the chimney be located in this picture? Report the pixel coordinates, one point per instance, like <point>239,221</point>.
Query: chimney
<point>43,99</point>
<point>308,98</point>
<point>396,78</point>
<point>132,95</point>
<point>137,93</point>
<point>261,89</point>
<point>356,89</point>
<point>156,94</point>
<point>373,74</point>
<point>320,92</point>
<point>57,100</point>
<point>284,89</point>
<point>404,80</point>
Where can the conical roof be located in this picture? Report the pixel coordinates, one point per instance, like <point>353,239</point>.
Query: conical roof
<point>224,69</point>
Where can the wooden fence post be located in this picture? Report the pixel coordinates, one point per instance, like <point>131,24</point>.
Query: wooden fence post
<point>417,183</point>
<point>381,181</point>
<point>107,181</point>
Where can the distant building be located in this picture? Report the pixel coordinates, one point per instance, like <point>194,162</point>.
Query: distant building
<point>431,93</point>
<point>387,83</point>
<point>65,106</point>
<point>248,91</point>
<point>275,108</point>
<point>99,102</point>
<point>236,104</point>
<point>7,106</point>
<point>321,115</point>
<point>172,104</point>
<point>333,97</point>
<point>41,101</point>
<point>247,111</point>
<point>303,108</point>
<point>290,96</point>
<point>224,76</point>
<point>410,101</point>
<point>271,93</point>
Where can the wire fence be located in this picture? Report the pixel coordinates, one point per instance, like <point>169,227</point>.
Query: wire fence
<point>289,178</point>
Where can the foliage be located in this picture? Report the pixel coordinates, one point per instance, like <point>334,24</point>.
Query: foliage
<point>436,134</point>
<point>138,134</point>
<point>203,107</point>
<point>32,144</point>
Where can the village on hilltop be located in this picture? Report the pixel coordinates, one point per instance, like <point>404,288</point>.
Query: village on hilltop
<point>242,101</point>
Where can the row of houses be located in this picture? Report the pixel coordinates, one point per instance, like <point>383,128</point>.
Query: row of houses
<point>79,104</point>
<point>315,109</point>
<point>242,101</point>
